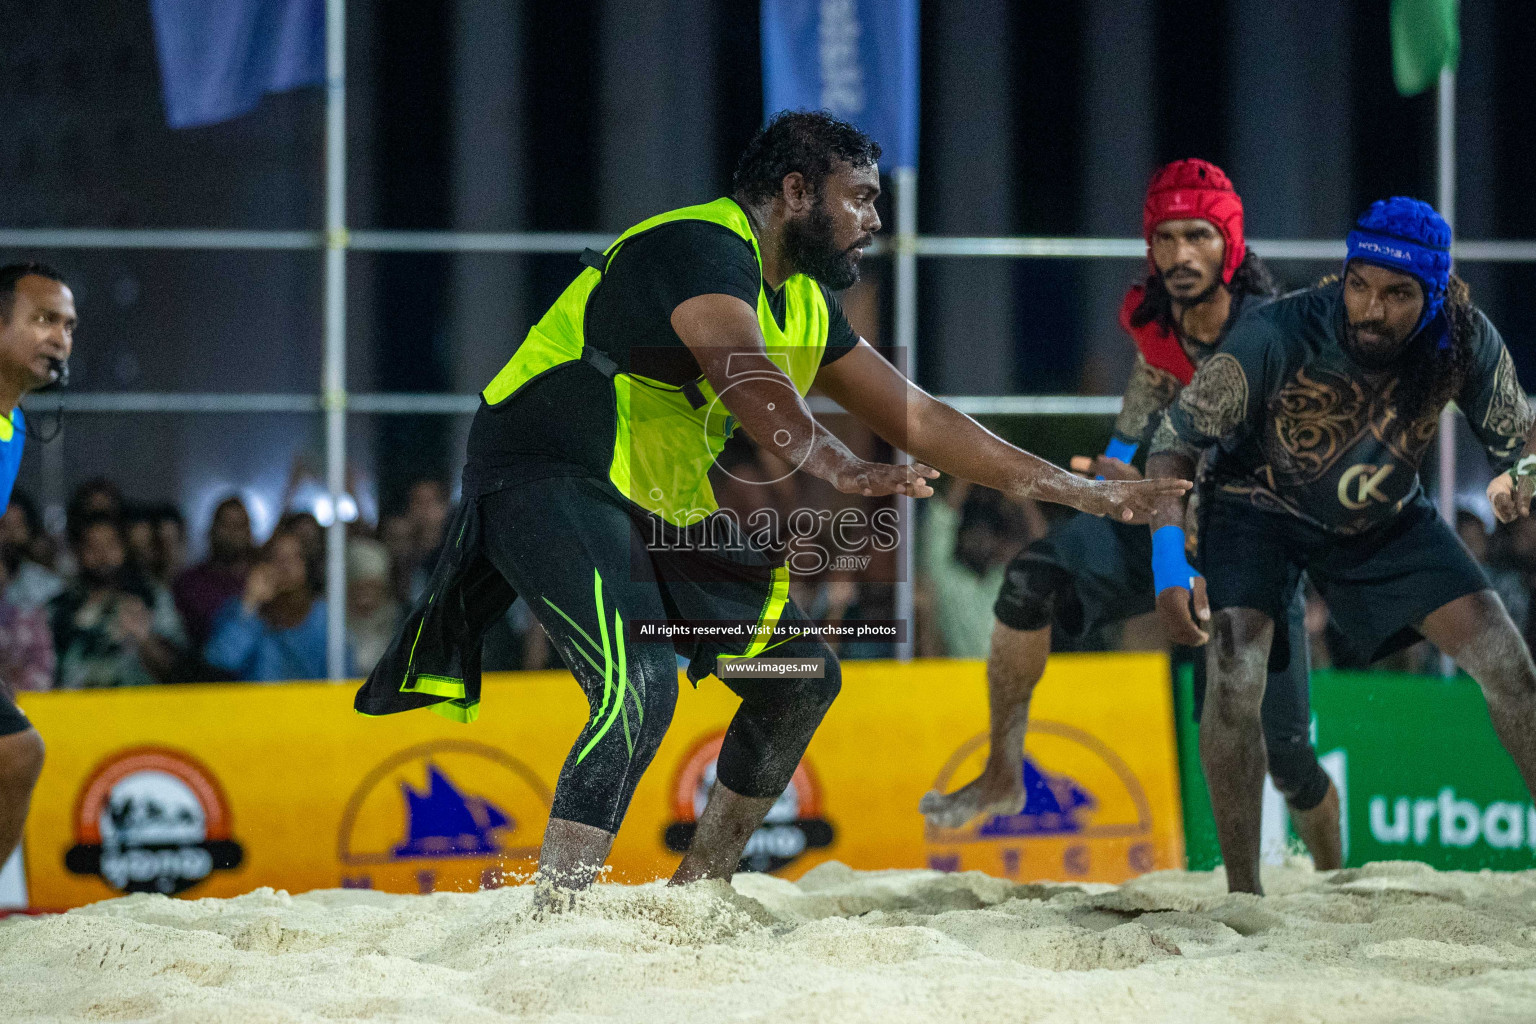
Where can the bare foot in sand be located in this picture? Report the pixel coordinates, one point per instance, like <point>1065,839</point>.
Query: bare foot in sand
<point>992,792</point>
<point>550,899</point>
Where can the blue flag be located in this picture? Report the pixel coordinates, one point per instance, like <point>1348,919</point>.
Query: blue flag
<point>855,59</point>
<point>218,58</point>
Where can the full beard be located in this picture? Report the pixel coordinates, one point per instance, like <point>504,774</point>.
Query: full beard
<point>1376,356</point>
<point>812,250</point>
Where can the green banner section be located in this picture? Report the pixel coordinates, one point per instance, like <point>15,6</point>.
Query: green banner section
<point>1200,848</point>
<point>1426,37</point>
<point>1424,777</point>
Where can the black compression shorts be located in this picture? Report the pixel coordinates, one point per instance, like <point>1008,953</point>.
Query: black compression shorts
<point>1379,585</point>
<point>590,569</point>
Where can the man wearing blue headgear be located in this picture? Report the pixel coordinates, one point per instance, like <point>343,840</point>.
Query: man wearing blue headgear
<point>1317,411</point>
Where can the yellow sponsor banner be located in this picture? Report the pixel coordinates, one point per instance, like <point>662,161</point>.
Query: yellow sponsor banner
<point>215,790</point>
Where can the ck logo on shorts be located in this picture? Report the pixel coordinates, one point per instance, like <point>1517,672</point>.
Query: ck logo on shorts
<point>1361,484</point>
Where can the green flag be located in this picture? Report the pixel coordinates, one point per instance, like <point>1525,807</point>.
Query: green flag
<point>1425,38</point>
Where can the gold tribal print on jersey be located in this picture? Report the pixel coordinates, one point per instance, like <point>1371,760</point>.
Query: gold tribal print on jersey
<point>1148,393</point>
<point>1295,424</point>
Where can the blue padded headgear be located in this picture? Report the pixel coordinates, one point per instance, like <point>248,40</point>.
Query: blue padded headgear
<point>1408,236</point>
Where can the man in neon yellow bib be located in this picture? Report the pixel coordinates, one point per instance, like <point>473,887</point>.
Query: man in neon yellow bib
<point>586,489</point>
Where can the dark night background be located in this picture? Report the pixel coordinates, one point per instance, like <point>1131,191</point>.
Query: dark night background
<point>591,114</point>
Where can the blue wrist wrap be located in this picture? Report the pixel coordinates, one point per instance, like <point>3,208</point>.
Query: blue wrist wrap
<point>1170,567</point>
<point>1118,449</point>
<point>1125,451</point>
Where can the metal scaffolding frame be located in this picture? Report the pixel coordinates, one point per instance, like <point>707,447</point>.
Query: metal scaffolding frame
<point>378,240</point>
<point>336,402</point>
<point>336,241</point>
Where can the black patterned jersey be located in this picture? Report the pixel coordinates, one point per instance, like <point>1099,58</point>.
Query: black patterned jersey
<point>1152,389</point>
<point>1298,426</point>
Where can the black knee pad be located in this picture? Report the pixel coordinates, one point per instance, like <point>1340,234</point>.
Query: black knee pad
<point>1294,766</point>
<point>806,701</point>
<point>1027,600</point>
<point>657,692</point>
<point>824,691</point>
<point>619,741</point>
<point>770,731</point>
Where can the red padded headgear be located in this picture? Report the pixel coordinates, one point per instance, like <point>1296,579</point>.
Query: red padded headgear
<point>1196,189</point>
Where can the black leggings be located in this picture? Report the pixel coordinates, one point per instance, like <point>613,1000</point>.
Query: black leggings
<point>580,560</point>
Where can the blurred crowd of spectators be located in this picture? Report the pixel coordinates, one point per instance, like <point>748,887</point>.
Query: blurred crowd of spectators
<point>114,601</point>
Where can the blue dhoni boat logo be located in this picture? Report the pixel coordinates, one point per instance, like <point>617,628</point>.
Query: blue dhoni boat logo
<point>1053,805</point>
<point>444,822</point>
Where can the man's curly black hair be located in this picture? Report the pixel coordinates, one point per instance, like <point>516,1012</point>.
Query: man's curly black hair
<point>12,273</point>
<point>807,141</point>
<point>1251,277</point>
<point>1431,375</point>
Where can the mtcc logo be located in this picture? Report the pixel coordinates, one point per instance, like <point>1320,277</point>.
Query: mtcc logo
<point>1360,485</point>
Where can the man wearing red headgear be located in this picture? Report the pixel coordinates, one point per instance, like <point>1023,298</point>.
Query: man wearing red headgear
<point>1091,573</point>
<point>1193,223</point>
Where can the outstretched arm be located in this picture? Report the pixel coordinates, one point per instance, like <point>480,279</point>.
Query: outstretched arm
<point>722,333</point>
<point>909,418</point>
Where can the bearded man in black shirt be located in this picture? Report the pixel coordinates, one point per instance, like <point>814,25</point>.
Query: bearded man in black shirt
<point>587,489</point>
<point>1317,412</point>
